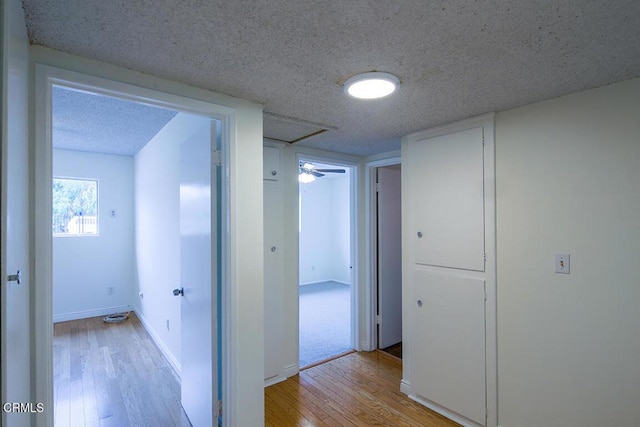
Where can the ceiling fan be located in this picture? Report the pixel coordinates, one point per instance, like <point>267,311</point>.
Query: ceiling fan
<point>308,172</point>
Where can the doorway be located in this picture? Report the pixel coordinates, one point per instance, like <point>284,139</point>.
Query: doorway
<point>388,237</point>
<point>213,137</point>
<point>326,285</point>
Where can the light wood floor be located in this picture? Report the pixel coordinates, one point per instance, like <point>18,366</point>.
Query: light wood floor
<point>112,375</point>
<point>359,389</point>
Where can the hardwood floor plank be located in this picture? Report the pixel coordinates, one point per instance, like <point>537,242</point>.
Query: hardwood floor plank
<point>90,405</point>
<point>61,399</point>
<point>113,375</point>
<point>359,389</point>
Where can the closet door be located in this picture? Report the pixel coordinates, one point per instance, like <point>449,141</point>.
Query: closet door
<point>449,320</point>
<point>273,265</point>
<point>448,276</point>
<point>450,201</point>
<point>271,162</point>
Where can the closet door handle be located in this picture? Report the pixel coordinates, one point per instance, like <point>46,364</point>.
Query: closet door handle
<point>14,277</point>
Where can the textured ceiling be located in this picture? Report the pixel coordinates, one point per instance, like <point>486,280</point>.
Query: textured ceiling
<point>88,122</point>
<point>454,58</point>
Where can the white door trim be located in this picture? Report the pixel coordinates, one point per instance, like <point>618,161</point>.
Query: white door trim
<point>371,252</point>
<point>45,77</point>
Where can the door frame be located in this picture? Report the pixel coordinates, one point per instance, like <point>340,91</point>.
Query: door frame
<point>45,77</point>
<point>371,269</point>
<point>354,277</point>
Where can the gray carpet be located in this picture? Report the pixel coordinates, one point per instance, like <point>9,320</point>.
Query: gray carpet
<point>324,321</point>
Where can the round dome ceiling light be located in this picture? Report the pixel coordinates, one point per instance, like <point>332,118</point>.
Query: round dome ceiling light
<point>371,85</point>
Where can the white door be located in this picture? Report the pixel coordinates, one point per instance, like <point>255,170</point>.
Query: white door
<point>273,279</point>
<point>14,207</point>
<point>389,257</point>
<point>198,266</point>
<point>450,317</point>
<point>448,308</point>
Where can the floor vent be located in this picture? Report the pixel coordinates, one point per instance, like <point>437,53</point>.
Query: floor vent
<point>116,318</point>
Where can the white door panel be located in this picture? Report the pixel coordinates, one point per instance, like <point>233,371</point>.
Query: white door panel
<point>449,207</point>
<point>450,321</point>
<point>271,160</point>
<point>273,272</point>
<point>15,322</point>
<point>389,257</point>
<point>198,273</point>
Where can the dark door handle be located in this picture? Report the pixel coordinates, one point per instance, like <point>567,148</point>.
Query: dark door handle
<point>178,291</point>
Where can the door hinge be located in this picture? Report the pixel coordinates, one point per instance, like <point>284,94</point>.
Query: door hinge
<point>485,257</point>
<point>217,409</point>
<point>377,319</point>
<point>377,187</point>
<point>216,158</point>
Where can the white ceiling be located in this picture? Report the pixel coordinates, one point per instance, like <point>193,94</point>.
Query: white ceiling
<point>85,121</point>
<point>455,58</point>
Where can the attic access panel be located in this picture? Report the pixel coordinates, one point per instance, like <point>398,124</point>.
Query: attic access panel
<point>289,129</point>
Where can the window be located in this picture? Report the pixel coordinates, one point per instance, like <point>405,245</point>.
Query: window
<point>75,207</point>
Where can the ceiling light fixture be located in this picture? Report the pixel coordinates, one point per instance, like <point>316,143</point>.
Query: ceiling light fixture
<point>305,176</point>
<point>371,85</point>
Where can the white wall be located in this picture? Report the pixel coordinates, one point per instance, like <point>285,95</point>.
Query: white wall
<point>85,266</point>
<point>157,219</point>
<point>324,236</point>
<point>341,215</point>
<point>568,179</point>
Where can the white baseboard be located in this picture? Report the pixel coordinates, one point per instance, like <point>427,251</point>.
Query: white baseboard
<point>464,422</point>
<point>274,380</point>
<point>405,387</point>
<point>365,346</point>
<point>171,358</point>
<point>291,370</point>
<point>323,281</point>
<point>91,313</point>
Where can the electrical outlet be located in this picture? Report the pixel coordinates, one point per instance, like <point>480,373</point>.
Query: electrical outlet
<point>113,213</point>
<point>562,261</point>
<point>110,290</point>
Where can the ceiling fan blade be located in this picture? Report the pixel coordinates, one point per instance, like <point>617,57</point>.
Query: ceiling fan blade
<point>331,170</point>
<point>316,173</point>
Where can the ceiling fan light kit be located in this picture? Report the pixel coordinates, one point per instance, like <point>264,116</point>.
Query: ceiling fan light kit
<point>372,85</point>
<point>307,172</point>
<point>306,178</point>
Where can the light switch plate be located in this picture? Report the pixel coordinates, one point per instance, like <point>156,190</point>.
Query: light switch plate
<point>562,262</point>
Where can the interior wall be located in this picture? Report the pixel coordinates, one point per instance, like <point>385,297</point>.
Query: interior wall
<point>341,229</point>
<point>157,219</point>
<point>85,266</point>
<point>324,234</point>
<point>567,181</point>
